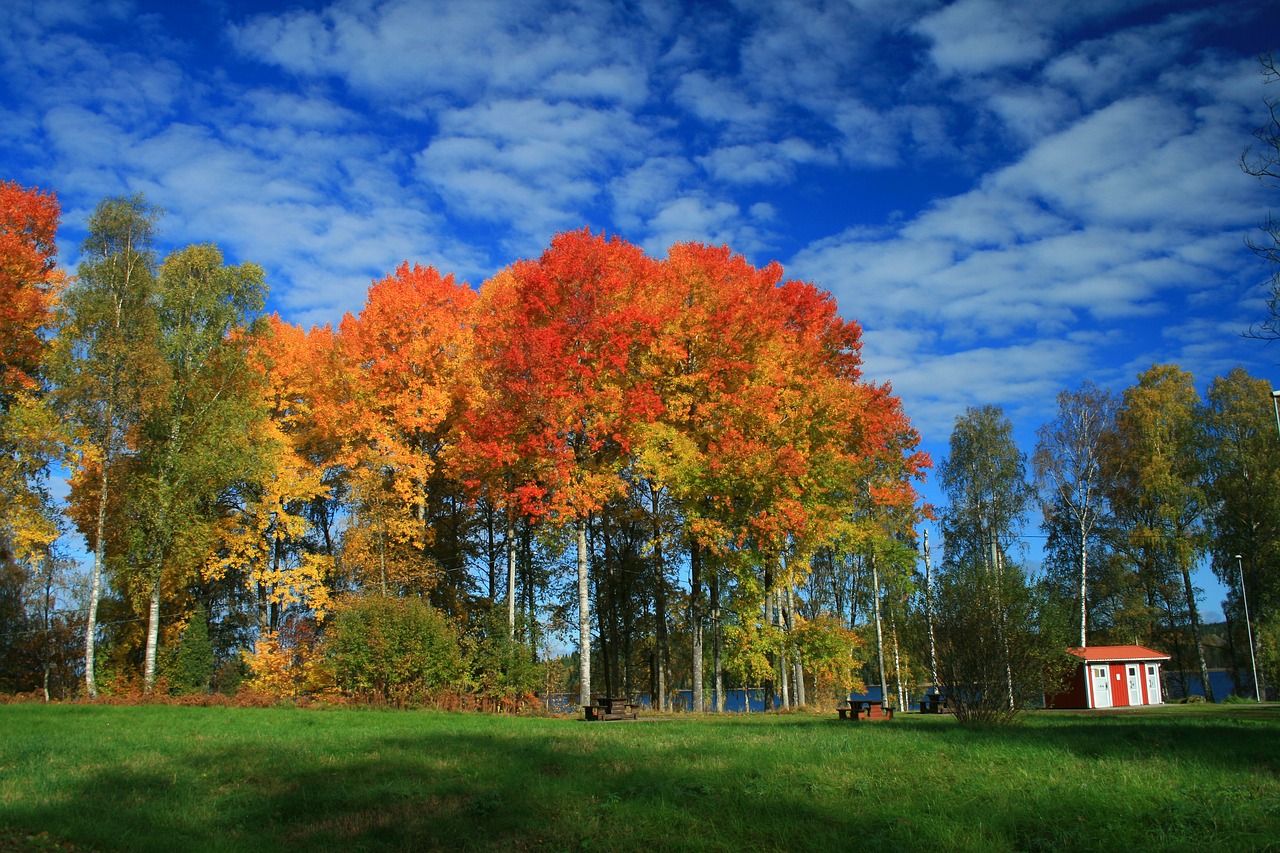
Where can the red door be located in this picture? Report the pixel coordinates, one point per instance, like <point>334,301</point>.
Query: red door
<point>1119,686</point>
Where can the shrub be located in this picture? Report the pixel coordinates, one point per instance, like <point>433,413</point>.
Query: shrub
<point>393,647</point>
<point>999,641</point>
<point>503,671</point>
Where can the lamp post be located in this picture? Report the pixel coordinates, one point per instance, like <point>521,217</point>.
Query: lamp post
<point>1275,403</point>
<point>1257,692</point>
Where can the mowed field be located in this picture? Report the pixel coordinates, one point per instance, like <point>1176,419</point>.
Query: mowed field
<point>162,778</point>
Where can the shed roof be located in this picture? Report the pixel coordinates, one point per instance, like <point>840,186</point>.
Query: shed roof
<point>1117,653</point>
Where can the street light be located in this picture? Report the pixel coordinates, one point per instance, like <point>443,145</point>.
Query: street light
<point>1257,693</point>
<point>1275,402</point>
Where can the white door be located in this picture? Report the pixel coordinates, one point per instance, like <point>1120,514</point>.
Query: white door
<point>1101,686</point>
<point>1135,684</point>
<point>1153,685</point>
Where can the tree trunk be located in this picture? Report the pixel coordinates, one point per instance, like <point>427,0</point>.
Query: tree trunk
<point>798,663</point>
<point>997,561</point>
<point>928,612</point>
<point>584,616</point>
<point>511,574</point>
<point>770,684</point>
<point>660,640</point>
<point>153,634</point>
<point>901,690</point>
<point>1084,586</point>
<point>605,612</point>
<point>783,663</point>
<point>1194,612</point>
<point>875,597</point>
<point>99,555</point>
<point>46,613</point>
<point>695,622</point>
<point>718,663</point>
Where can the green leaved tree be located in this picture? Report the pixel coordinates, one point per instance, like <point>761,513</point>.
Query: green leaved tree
<point>196,437</point>
<point>104,363</point>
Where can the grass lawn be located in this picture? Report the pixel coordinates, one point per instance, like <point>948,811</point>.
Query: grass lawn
<point>178,778</point>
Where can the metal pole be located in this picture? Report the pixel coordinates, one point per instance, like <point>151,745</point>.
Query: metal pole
<point>1257,691</point>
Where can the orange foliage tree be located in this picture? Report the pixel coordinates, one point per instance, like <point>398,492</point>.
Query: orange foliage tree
<point>406,376</point>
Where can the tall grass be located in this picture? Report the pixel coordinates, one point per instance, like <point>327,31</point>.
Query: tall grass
<point>166,778</point>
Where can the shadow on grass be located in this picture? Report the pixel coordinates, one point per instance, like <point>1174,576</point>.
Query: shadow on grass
<point>1237,738</point>
<point>804,783</point>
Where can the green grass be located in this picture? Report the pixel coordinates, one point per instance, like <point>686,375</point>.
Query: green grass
<point>166,778</point>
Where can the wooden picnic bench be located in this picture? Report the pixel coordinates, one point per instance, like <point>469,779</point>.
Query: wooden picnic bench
<point>935,703</point>
<point>611,708</point>
<point>872,709</point>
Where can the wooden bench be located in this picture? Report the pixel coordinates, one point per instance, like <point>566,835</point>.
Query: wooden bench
<point>871,709</point>
<point>605,708</point>
<point>935,704</point>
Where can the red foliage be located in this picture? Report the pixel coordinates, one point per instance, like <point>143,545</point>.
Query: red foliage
<point>29,281</point>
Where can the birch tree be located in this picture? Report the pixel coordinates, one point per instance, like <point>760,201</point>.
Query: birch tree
<point>105,359</point>
<point>984,480</point>
<point>196,439</point>
<point>1068,469</point>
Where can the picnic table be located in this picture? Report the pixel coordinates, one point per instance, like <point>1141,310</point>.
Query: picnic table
<point>872,709</point>
<point>935,703</point>
<point>611,708</point>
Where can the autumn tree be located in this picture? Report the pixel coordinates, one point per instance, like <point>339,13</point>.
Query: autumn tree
<point>558,343</point>
<point>717,313</point>
<point>275,536</point>
<point>1157,465</point>
<point>765,425</point>
<point>407,362</point>
<point>30,434</point>
<point>1242,487</point>
<point>105,363</point>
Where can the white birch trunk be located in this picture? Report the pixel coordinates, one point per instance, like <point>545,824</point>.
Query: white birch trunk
<point>1084,586</point>
<point>584,616</point>
<point>153,635</point>
<point>875,597</point>
<point>798,663</point>
<point>95,583</point>
<point>928,611</point>
<point>511,574</point>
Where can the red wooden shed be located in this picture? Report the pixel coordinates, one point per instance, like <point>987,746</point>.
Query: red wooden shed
<point>1111,677</point>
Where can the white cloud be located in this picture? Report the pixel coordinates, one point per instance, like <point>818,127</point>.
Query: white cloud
<point>719,100</point>
<point>401,51</point>
<point>638,192</point>
<point>977,36</point>
<point>695,218</point>
<point>762,163</point>
<point>536,167</point>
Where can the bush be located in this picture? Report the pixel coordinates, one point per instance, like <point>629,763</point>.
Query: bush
<point>503,671</point>
<point>999,642</point>
<point>392,648</point>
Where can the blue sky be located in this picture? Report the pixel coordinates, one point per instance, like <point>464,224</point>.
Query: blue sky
<point>1011,196</point>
